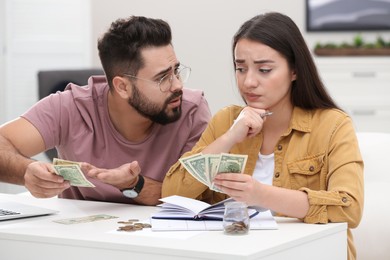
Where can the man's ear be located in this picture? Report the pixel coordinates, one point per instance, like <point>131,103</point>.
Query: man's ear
<point>121,86</point>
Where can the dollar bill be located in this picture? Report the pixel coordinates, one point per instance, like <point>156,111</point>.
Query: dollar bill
<point>69,221</point>
<point>229,163</point>
<point>185,162</point>
<point>73,174</point>
<point>234,163</point>
<point>198,165</point>
<point>212,161</point>
<point>205,167</point>
<point>57,161</point>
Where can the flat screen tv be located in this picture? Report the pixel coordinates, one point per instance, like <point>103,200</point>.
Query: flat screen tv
<point>347,15</point>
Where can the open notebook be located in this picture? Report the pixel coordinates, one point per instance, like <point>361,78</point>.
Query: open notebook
<point>14,210</point>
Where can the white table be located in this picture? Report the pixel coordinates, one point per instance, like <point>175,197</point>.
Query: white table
<point>41,238</point>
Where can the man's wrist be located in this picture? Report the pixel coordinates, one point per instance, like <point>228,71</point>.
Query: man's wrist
<point>136,190</point>
<point>135,181</point>
<point>130,185</point>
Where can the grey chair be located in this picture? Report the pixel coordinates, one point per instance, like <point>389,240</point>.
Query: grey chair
<point>51,81</point>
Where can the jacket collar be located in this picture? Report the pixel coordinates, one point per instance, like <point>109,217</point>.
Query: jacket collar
<point>301,120</point>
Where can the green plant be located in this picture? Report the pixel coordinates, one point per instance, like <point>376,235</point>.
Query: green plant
<point>358,42</point>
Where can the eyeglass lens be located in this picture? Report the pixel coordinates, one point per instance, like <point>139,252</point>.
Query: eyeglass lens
<point>181,74</point>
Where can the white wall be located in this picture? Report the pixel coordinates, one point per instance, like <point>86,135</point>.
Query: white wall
<point>41,35</point>
<point>202,33</point>
<point>38,35</point>
<point>2,60</point>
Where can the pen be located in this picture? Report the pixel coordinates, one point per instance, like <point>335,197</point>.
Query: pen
<point>262,115</point>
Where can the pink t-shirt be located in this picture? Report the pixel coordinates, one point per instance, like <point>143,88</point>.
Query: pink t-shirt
<point>77,123</point>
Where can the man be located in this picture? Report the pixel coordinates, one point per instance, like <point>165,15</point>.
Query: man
<point>136,121</point>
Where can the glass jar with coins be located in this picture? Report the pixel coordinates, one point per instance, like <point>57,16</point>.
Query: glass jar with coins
<point>236,218</point>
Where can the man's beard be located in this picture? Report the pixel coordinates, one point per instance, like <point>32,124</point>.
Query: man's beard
<point>153,111</point>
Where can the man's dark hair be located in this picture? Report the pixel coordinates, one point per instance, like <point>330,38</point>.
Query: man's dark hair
<point>120,47</point>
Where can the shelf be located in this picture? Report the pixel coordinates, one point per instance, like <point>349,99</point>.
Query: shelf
<point>352,52</point>
<point>361,86</point>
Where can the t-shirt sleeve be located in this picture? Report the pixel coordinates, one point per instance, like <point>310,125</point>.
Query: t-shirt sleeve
<point>46,116</point>
<point>200,116</point>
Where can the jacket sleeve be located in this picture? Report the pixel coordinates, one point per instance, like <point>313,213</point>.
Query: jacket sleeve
<point>343,199</point>
<point>180,182</point>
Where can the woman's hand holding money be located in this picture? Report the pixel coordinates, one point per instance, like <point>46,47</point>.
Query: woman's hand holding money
<point>240,187</point>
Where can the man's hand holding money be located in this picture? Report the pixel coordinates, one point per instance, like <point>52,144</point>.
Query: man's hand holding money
<point>71,171</point>
<point>41,181</point>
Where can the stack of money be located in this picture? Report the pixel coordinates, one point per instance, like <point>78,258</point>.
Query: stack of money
<point>205,167</point>
<point>71,172</point>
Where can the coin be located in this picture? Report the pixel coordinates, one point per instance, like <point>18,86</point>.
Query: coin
<point>130,226</point>
<point>126,228</point>
<point>125,222</point>
<point>147,225</point>
<point>238,227</point>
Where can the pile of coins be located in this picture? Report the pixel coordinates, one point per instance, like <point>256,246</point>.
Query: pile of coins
<point>132,225</point>
<point>237,228</point>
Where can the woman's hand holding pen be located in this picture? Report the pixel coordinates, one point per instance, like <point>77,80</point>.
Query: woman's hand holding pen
<point>248,124</point>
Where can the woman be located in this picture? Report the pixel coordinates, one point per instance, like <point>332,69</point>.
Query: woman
<point>303,159</point>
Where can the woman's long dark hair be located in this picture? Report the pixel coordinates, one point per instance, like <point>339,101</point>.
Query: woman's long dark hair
<point>280,33</point>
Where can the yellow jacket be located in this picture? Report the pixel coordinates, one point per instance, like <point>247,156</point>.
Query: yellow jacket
<point>318,154</point>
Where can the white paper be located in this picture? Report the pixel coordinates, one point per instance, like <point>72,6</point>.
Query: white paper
<point>263,220</point>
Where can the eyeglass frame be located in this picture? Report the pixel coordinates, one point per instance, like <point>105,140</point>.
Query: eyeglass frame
<point>179,69</point>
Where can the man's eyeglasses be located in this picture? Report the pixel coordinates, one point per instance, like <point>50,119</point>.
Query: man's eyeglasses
<point>182,73</point>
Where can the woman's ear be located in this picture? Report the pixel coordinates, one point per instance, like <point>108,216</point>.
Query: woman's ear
<point>121,86</point>
<point>293,75</point>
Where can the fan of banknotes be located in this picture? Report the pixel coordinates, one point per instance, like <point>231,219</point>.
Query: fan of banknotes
<point>204,167</point>
<point>71,172</point>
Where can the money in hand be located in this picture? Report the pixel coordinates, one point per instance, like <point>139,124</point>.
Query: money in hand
<point>230,163</point>
<point>71,172</point>
<point>195,164</point>
<point>205,167</point>
<point>57,161</point>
